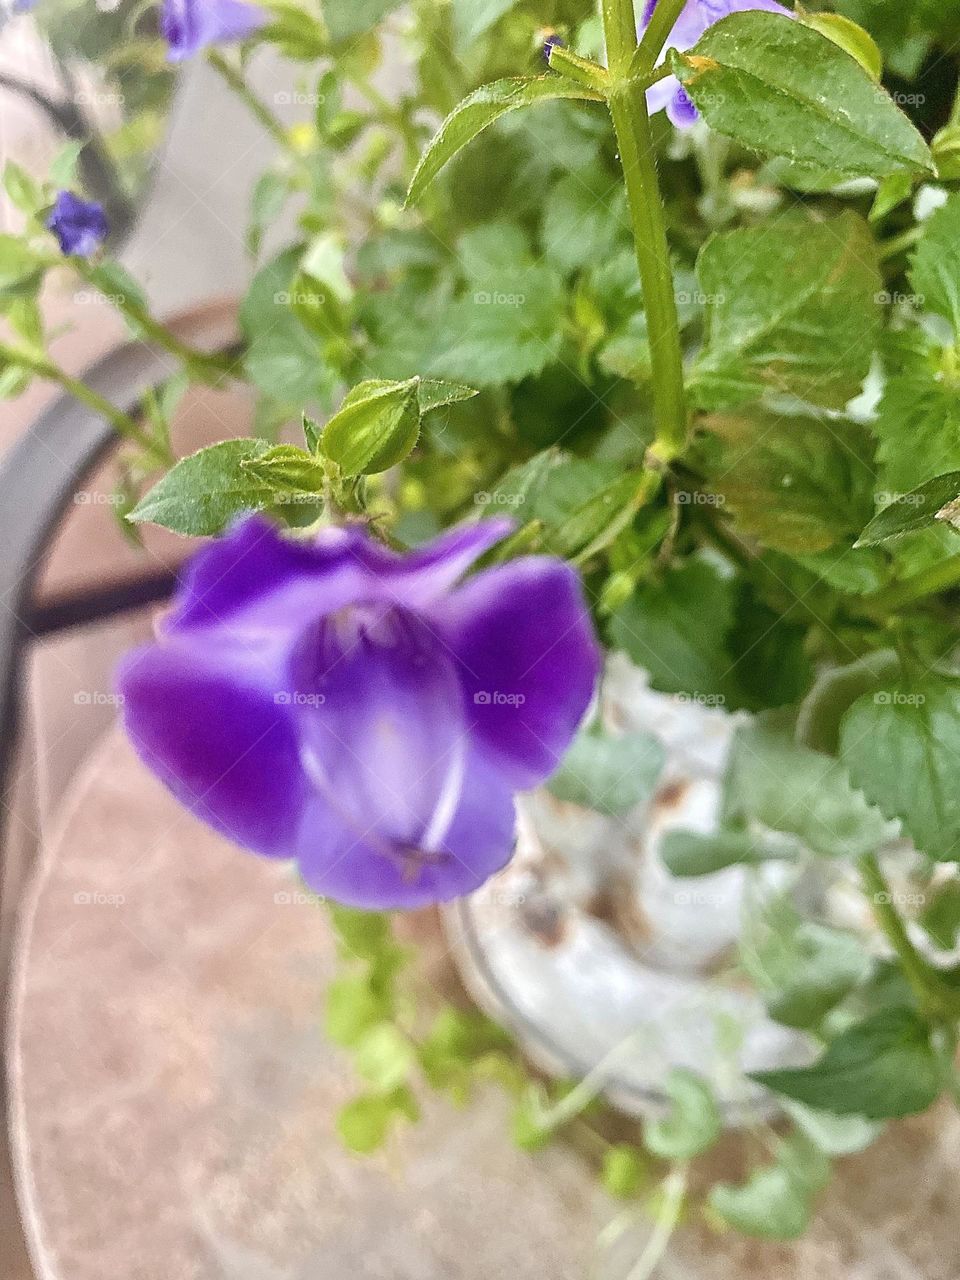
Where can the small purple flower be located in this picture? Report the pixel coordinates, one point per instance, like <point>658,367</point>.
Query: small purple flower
<point>695,18</point>
<point>191,25</point>
<point>359,711</point>
<point>79,225</point>
<point>551,42</point>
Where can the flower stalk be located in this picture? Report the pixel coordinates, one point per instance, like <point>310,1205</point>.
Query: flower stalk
<point>631,122</point>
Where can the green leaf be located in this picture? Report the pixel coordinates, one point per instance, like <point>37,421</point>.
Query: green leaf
<point>353,1009</point>
<point>479,110</point>
<point>471,18</point>
<point>365,1123</point>
<point>434,394</point>
<point>17,261</point>
<point>609,775</point>
<point>376,427</point>
<point>836,690</point>
<point>693,1124</point>
<point>850,37</point>
<point>204,491</point>
<point>935,266</point>
<point>918,419</point>
<point>941,916</point>
<point>776,1201</point>
<point>385,1057</point>
<point>584,217</point>
<point>776,781</point>
<point>921,508</point>
<point>798,484</point>
<point>63,168</point>
<point>880,1068</point>
<point>688,853</point>
<point>625,1171</point>
<point>833,1135</point>
<point>21,188</point>
<point>902,746</point>
<point>778,86</point>
<point>348,18</point>
<point>794,312</point>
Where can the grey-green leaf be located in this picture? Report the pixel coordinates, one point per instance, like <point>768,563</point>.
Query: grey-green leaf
<point>479,110</point>
<point>780,87</point>
<point>609,775</point>
<point>693,1123</point>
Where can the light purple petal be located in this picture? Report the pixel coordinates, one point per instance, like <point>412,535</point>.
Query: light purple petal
<point>358,869</point>
<point>191,25</point>
<point>380,722</point>
<point>215,734</point>
<point>527,660</point>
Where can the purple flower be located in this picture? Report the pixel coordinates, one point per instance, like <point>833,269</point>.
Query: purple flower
<point>551,42</point>
<point>79,225</point>
<point>190,25</point>
<point>695,18</point>
<point>359,711</point>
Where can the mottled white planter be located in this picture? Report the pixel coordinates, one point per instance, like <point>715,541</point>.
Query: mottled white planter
<point>592,953</point>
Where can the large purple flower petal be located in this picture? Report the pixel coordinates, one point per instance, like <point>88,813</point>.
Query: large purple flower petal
<point>381,723</point>
<point>254,577</point>
<point>356,867</point>
<point>191,25</point>
<point>527,660</point>
<point>216,735</point>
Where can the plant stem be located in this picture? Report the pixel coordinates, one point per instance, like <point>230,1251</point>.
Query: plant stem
<point>121,422</point>
<point>899,243</point>
<point>674,1194</point>
<point>658,30</point>
<point>619,33</point>
<point>233,77</point>
<point>933,997</point>
<point>631,122</point>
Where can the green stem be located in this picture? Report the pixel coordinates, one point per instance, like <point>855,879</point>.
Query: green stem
<point>631,122</point>
<point>674,1194</point>
<point>899,244</point>
<point>619,33</point>
<point>933,997</point>
<point>121,422</point>
<point>233,77</point>
<point>658,30</point>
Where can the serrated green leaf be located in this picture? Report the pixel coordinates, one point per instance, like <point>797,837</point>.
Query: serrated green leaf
<point>776,781</point>
<point>880,1068</point>
<point>435,394</point>
<point>376,427</point>
<point>850,37</point>
<point>205,491</point>
<point>791,313</point>
<point>798,484</point>
<point>285,467</point>
<point>836,690</point>
<point>902,747</point>
<point>935,265</point>
<point>693,1124</point>
<point>941,915</point>
<point>479,110</point>
<point>780,87</point>
<point>609,775</point>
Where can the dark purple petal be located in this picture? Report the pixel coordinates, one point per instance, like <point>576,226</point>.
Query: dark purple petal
<point>80,226</point>
<point>216,735</point>
<point>191,25</point>
<point>527,660</point>
<point>254,578</point>
<point>362,870</point>
<point>680,110</point>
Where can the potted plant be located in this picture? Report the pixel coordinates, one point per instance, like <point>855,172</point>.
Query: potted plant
<point>608,595</point>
